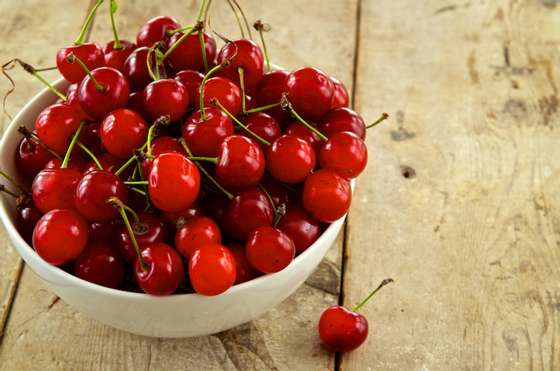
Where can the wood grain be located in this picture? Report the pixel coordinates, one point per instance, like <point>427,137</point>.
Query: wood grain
<point>458,201</point>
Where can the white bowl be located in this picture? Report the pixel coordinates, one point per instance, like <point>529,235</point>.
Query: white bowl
<point>172,316</point>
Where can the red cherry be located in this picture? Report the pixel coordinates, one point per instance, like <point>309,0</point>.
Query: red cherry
<point>31,158</point>
<point>164,273</point>
<point>74,163</point>
<point>123,131</point>
<point>100,264</point>
<point>310,92</point>
<point>340,96</point>
<point>191,80</point>
<point>298,130</point>
<point>290,159</point>
<point>277,191</point>
<point>136,69</point>
<point>225,91</point>
<point>187,55</point>
<point>243,272</point>
<point>344,153</point>
<point>174,182</point>
<point>212,270</point>
<point>247,211</point>
<point>241,162</point>
<point>72,101</point>
<point>109,163</point>
<point>342,119</point>
<point>89,137</point>
<point>195,234</point>
<point>54,188</point>
<point>300,227</point>
<point>148,230</point>
<point>269,249</point>
<point>27,216</point>
<point>247,55</point>
<point>60,236</point>
<point>55,125</point>
<point>109,93</point>
<point>155,30</point>
<point>115,58</point>
<point>165,97</point>
<point>166,144</point>
<point>203,137</point>
<point>326,195</point>
<point>89,53</point>
<point>269,91</point>
<point>92,193</point>
<point>263,125</point>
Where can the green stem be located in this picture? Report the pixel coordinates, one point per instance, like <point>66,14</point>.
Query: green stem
<point>149,140</point>
<point>73,58</point>
<point>217,103</point>
<point>8,192</point>
<point>241,73</point>
<point>288,106</point>
<point>33,71</point>
<point>201,11</point>
<point>90,154</point>
<point>198,26</point>
<point>153,75</point>
<point>46,69</point>
<point>66,159</point>
<point>383,283</point>
<point>113,6</point>
<point>136,182</point>
<point>122,210</point>
<point>137,191</point>
<point>80,39</point>
<point>182,29</point>
<point>265,191</point>
<point>234,11</point>
<point>203,50</point>
<point>263,108</point>
<point>12,181</point>
<point>261,28</point>
<point>201,89</point>
<point>201,158</point>
<point>384,116</point>
<point>128,162</point>
<point>35,140</point>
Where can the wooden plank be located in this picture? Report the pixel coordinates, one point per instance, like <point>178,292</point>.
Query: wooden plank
<point>34,39</point>
<point>40,333</point>
<point>457,201</point>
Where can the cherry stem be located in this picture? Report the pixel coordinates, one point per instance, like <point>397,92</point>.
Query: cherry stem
<point>136,182</point>
<point>80,39</point>
<point>201,11</point>
<point>203,84</point>
<point>151,51</point>
<point>8,192</point>
<point>217,103</point>
<point>197,27</point>
<point>172,32</point>
<point>203,49</point>
<point>241,73</point>
<point>202,158</point>
<point>31,137</point>
<point>34,72</point>
<point>90,154</point>
<point>384,116</point>
<point>129,161</point>
<point>262,28</point>
<point>12,181</point>
<point>383,283</point>
<point>113,7</point>
<point>288,106</point>
<point>122,210</point>
<point>153,131</point>
<point>73,58</point>
<point>204,171</point>
<point>66,159</point>
<point>46,69</point>
<point>280,212</point>
<point>234,11</point>
<point>137,191</point>
<point>244,18</point>
<point>263,108</point>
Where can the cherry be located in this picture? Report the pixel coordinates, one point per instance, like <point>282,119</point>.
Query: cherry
<point>107,161</point>
<point>175,220</point>
<point>342,119</point>
<point>326,195</point>
<point>295,128</point>
<point>301,227</point>
<point>195,233</point>
<point>89,137</point>
<point>90,54</point>
<point>100,264</point>
<point>277,191</point>
<point>248,210</point>
<point>166,144</point>
<point>243,272</point>
<point>241,162</point>
<point>74,163</point>
<point>136,69</point>
<point>269,249</point>
<point>191,80</point>
<point>340,98</point>
<point>188,55</point>
<point>165,97</point>
<point>225,91</point>
<point>72,101</point>
<point>263,125</point>
<point>60,236</point>
<point>204,136</point>
<point>343,330</point>
<point>310,91</point>
<point>243,54</point>
<point>26,218</point>
<point>155,30</point>
<point>122,131</point>
<point>55,124</point>
<point>163,271</point>
<point>212,269</point>
<point>148,229</point>
<point>345,153</point>
<point>174,182</point>
<point>290,159</point>
<point>92,193</point>
<point>54,188</point>
<point>31,158</point>
<point>269,91</point>
<point>115,57</point>
<point>102,232</point>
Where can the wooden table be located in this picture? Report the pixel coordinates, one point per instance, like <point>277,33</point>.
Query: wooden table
<point>457,202</point>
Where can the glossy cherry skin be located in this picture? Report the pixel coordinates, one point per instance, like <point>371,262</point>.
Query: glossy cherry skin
<point>241,162</point>
<point>191,80</point>
<point>72,101</point>
<point>247,55</point>
<point>310,91</point>
<point>174,182</point>
<point>165,97</point>
<point>203,137</point>
<point>269,91</point>
<point>326,195</point>
<point>155,30</point>
<point>115,58</point>
<point>89,53</point>
<point>342,330</point>
<point>55,125</point>
<point>165,270</point>
<point>136,69</point>
<point>342,119</point>
<point>149,230</point>
<point>100,264</point>
<point>74,163</point>
<point>247,211</point>
<point>60,236</point>
<point>212,270</point>
<point>31,158</point>
<point>297,129</point>
<point>188,55</point>
<point>122,131</point>
<point>109,163</point>
<point>195,234</point>
<point>301,227</point>
<point>345,153</point>
<point>340,96</point>
<point>54,189</point>
<point>225,91</point>
<point>27,217</point>
<point>243,272</point>
<point>166,144</point>
<point>92,193</point>
<point>98,103</point>
<point>263,125</point>
<point>269,249</point>
<point>290,159</point>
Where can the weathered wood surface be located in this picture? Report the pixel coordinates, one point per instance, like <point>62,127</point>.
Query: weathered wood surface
<point>44,333</point>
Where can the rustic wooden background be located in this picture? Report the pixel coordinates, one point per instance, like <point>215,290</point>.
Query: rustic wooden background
<point>457,203</point>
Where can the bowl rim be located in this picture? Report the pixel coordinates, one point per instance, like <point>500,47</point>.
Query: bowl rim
<point>76,281</point>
